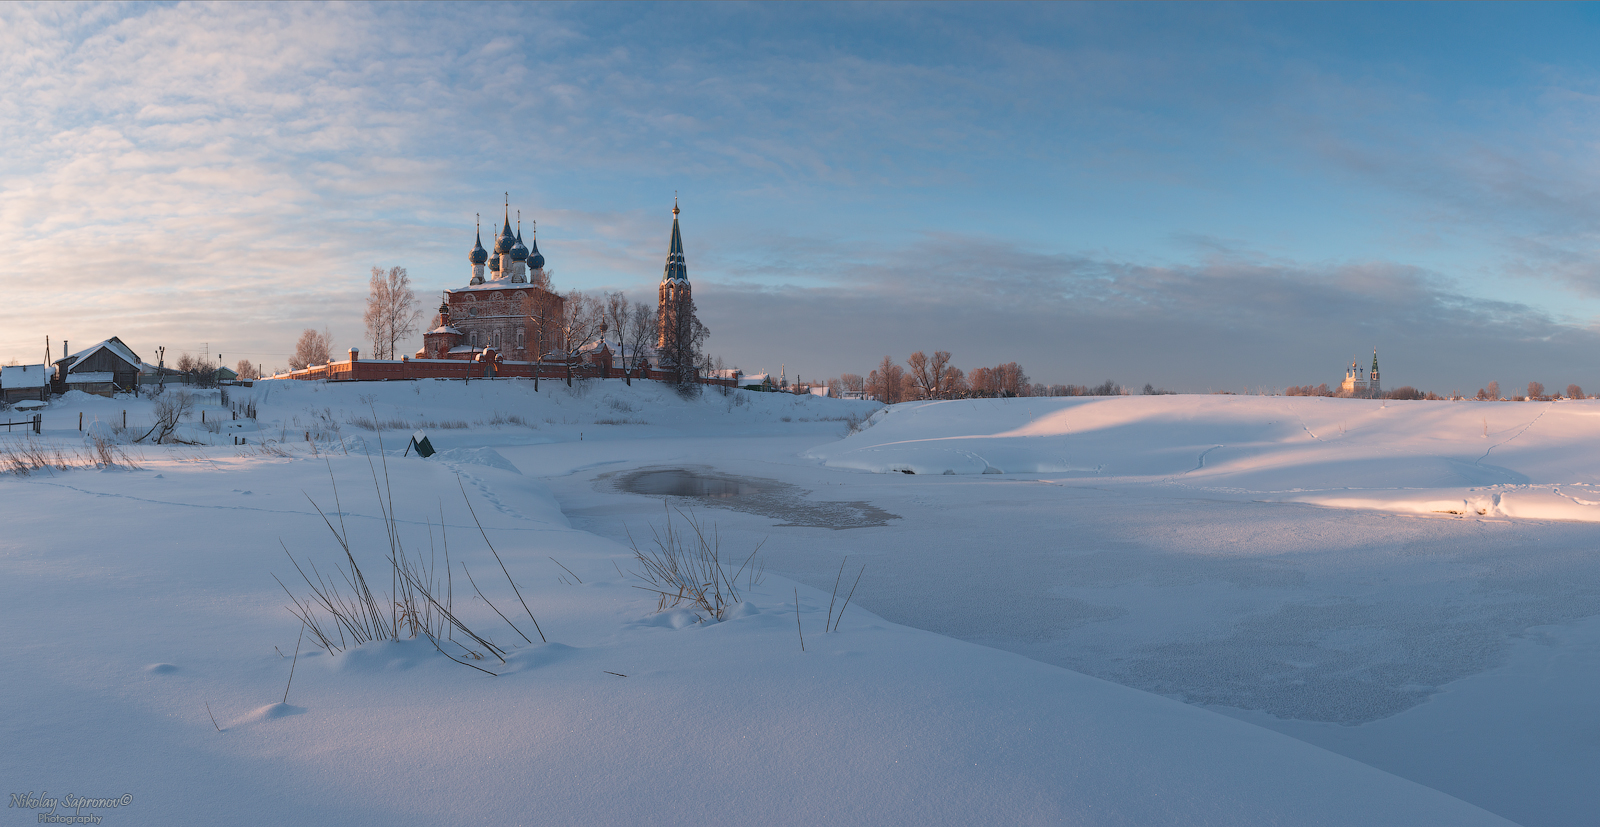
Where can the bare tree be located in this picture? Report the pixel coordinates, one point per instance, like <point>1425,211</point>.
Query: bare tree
<point>934,377</point>
<point>981,382</point>
<point>641,334</point>
<point>683,346</point>
<point>852,382</point>
<point>1535,390</point>
<point>619,315</point>
<point>392,311</point>
<point>1574,392</point>
<point>247,370</point>
<point>1492,390</point>
<point>169,411</point>
<point>581,317</point>
<point>313,348</point>
<point>1011,381</point>
<point>888,382</point>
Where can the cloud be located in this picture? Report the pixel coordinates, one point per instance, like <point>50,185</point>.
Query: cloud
<point>1228,324</point>
<point>194,173</point>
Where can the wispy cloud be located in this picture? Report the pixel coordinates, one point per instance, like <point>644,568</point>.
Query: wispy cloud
<point>1190,185</point>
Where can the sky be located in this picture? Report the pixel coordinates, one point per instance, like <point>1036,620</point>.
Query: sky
<point>1198,196</point>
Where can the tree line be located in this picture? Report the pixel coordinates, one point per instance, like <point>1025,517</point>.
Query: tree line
<point>934,376</point>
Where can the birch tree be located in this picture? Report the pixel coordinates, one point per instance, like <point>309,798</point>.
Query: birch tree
<point>392,311</point>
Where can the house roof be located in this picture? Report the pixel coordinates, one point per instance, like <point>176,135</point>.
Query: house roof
<point>25,376</point>
<point>112,344</point>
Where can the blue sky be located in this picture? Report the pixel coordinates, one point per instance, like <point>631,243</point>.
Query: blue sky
<point>1199,196</point>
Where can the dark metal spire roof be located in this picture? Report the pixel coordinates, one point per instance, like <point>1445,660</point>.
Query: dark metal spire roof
<point>502,245</point>
<point>675,270</point>
<point>519,251</point>
<point>535,258</point>
<point>478,254</point>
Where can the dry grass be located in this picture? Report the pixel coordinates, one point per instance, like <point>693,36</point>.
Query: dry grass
<point>421,598</point>
<point>26,457</point>
<point>687,567</point>
<point>368,423</point>
<point>499,418</point>
<point>373,423</point>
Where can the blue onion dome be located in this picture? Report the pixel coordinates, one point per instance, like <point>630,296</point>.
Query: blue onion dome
<point>478,254</point>
<point>535,258</point>
<point>519,251</point>
<point>504,243</point>
<point>494,264</point>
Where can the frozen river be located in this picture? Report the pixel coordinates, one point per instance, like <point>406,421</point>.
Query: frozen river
<point>1453,652</point>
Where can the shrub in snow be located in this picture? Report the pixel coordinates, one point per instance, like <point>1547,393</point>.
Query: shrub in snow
<point>687,567</point>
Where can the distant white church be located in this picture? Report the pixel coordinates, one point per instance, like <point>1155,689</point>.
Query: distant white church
<point>1360,383</point>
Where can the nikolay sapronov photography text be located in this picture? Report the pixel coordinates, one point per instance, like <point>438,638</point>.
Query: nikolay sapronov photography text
<point>76,803</point>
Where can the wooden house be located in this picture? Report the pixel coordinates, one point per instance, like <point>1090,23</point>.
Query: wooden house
<point>103,369</point>
<point>20,382</point>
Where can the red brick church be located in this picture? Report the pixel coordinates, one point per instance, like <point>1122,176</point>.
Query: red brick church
<point>507,306</point>
<point>507,322</point>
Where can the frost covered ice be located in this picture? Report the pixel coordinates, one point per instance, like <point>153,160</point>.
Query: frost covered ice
<point>138,598</point>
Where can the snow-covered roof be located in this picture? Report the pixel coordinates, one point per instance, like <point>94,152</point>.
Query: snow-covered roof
<point>594,346</point>
<point>445,329</point>
<point>112,344</point>
<point>753,379</point>
<point>494,284</point>
<point>89,377</point>
<point>25,376</point>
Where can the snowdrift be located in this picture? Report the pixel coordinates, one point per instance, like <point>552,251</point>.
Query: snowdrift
<point>143,605</point>
<point>1506,459</point>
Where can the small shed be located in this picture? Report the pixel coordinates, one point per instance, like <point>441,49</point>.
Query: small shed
<point>20,382</point>
<point>103,369</point>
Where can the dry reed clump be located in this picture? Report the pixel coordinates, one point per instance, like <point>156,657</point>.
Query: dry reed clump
<point>24,458</point>
<point>687,567</point>
<point>373,423</point>
<point>499,418</point>
<point>418,603</point>
<point>855,423</point>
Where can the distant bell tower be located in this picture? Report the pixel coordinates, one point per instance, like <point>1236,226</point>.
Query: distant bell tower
<point>1372,385</point>
<point>674,310</point>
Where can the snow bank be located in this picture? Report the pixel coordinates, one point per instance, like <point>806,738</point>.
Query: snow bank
<point>153,622</point>
<point>1527,460</point>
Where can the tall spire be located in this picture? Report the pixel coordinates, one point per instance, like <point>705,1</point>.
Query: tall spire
<point>675,270</point>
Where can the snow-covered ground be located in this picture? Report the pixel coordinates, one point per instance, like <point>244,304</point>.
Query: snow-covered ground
<point>1047,634</point>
